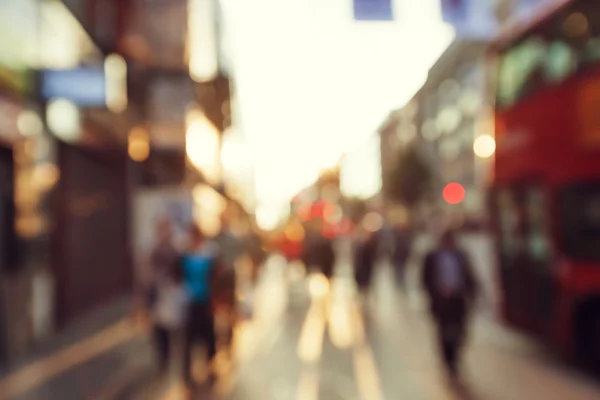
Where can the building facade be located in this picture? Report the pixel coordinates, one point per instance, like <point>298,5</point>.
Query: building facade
<point>86,77</point>
<point>452,102</point>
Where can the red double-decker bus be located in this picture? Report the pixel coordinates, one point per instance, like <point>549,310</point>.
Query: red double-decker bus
<point>545,195</point>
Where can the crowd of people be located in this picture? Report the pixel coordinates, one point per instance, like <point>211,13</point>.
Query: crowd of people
<point>187,287</point>
<point>447,278</point>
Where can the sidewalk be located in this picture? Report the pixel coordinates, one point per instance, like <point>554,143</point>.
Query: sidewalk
<point>101,357</point>
<point>104,357</point>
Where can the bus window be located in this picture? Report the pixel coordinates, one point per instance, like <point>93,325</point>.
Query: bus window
<point>517,68</point>
<point>509,226</point>
<point>592,51</point>
<point>538,243</point>
<point>580,216</point>
<point>554,52</point>
<point>560,63</point>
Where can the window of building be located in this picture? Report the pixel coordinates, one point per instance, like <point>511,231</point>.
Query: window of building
<point>510,235</point>
<point>580,216</point>
<point>538,242</point>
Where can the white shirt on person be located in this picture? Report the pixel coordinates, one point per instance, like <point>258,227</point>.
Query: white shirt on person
<point>170,309</point>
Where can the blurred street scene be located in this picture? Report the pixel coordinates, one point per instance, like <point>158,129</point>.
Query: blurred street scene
<point>286,199</point>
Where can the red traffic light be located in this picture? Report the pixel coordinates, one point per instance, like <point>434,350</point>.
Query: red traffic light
<point>454,193</point>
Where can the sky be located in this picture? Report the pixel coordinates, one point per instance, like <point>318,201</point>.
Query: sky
<point>312,83</point>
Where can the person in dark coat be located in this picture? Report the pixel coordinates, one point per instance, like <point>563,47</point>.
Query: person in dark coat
<point>319,253</point>
<point>202,268</point>
<point>401,253</point>
<point>450,283</point>
<point>326,257</point>
<point>365,258</point>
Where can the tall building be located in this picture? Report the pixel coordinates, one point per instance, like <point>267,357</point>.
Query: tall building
<point>444,116</point>
<point>452,102</point>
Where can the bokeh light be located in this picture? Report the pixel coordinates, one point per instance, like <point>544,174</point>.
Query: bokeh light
<point>484,146</point>
<point>454,193</point>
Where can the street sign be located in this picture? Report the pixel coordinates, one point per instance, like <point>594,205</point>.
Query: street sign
<point>82,86</point>
<point>373,10</point>
<point>470,18</point>
<point>455,12</point>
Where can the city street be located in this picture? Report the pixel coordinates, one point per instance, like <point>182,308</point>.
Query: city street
<point>305,345</point>
<point>384,350</point>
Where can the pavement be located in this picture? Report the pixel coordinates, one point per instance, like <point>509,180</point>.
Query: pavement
<point>308,340</point>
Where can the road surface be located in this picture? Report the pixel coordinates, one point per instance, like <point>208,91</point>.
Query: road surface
<point>305,342</point>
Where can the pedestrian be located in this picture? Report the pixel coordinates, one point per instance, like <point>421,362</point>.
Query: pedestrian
<point>451,287</point>
<point>400,254</point>
<point>169,314</point>
<point>231,250</point>
<point>163,258</point>
<point>200,267</point>
<point>365,259</point>
<point>255,250</point>
<point>326,256</point>
<point>164,255</point>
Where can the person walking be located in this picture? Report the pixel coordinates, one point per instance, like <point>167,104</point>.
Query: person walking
<point>318,253</point>
<point>365,257</point>
<point>201,266</point>
<point>400,253</point>
<point>163,259</point>
<point>451,286</point>
<point>169,314</point>
<point>164,255</point>
<point>231,250</point>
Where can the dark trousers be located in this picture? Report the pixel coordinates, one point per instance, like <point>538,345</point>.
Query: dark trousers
<point>451,320</point>
<point>200,329</point>
<point>451,339</point>
<point>162,342</point>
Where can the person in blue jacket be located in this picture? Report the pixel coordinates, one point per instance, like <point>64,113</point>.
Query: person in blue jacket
<point>200,267</point>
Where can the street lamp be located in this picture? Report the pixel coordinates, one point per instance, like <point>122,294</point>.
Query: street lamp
<point>484,146</point>
<point>203,145</point>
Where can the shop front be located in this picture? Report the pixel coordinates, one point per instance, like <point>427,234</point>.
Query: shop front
<point>14,289</point>
<point>90,242</point>
<point>18,24</point>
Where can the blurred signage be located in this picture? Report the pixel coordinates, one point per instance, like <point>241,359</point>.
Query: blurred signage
<point>470,18</point>
<point>373,10</point>
<point>82,86</point>
<point>455,12</point>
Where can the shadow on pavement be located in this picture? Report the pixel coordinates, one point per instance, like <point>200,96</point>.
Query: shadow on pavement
<point>140,382</point>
